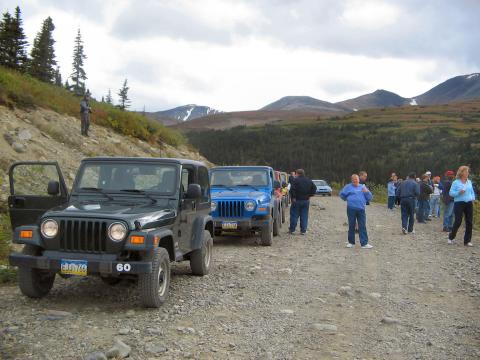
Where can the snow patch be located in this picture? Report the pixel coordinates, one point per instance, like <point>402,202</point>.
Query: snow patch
<point>189,111</point>
<point>413,102</point>
<point>355,109</point>
<point>472,75</point>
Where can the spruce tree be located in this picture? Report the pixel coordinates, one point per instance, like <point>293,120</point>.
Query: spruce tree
<point>6,37</point>
<point>78,75</point>
<point>20,43</point>
<point>108,98</point>
<point>42,60</point>
<point>58,77</point>
<point>124,101</point>
<point>67,85</point>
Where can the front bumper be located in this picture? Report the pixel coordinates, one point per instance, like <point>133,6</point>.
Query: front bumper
<point>243,224</point>
<point>96,264</point>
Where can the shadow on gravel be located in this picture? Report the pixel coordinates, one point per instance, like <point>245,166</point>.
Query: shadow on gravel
<point>236,241</point>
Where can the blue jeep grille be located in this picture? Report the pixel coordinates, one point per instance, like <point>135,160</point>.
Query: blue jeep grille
<point>231,208</point>
<point>83,236</point>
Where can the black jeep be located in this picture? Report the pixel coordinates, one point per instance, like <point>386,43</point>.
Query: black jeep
<point>125,218</point>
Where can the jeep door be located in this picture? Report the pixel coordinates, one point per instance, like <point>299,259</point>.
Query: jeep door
<point>188,209</point>
<point>30,183</point>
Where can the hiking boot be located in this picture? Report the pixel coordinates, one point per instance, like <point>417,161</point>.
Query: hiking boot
<point>404,231</point>
<point>450,242</point>
<point>367,246</point>
<point>469,244</point>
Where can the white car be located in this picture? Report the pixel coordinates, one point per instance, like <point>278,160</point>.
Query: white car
<point>322,188</point>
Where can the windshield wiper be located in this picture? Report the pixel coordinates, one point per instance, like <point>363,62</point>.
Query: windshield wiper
<point>97,190</point>
<point>254,187</point>
<point>221,185</point>
<point>143,192</point>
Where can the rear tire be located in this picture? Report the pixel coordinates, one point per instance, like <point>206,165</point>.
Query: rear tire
<point>267,235</point>
<point>154,287</point>
<point>201,259</point>
<point>283,214</point>
<point>276,225</point>
<point>34,283</point>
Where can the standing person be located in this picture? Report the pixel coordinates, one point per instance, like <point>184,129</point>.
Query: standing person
<point>356,195</point>
<point>85,111</point>
<point>391,188</point>
<point>397,185</point>
<point>463,197</point>
<point>423,199</point>
<point>435,197</point>
<point>427,215</point>
<point>447,201</point>
<point>302,189</point>
<point>408,192</point>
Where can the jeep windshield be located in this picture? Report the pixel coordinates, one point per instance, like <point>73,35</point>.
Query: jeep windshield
<point>233,178</point>
<point>134,178</point>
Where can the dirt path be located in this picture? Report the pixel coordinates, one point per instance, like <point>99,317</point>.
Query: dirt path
<point>306,297</point>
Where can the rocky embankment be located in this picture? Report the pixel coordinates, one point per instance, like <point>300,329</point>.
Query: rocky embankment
<point>45,136</point>
<point>306,297</point>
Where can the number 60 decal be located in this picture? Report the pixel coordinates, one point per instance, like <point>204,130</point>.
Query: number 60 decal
<point>124,267</point>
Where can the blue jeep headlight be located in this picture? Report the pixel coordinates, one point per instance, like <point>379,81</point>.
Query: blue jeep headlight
<point>213,206</point>
<point>250,205</point>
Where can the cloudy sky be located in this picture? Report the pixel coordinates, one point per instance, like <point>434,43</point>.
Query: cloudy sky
<point>243,54</point>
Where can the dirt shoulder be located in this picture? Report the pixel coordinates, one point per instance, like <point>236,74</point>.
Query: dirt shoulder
<point>306,297</point>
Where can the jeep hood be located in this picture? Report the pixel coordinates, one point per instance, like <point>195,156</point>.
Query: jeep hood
<point>145,213</point>
<point>241,194</point>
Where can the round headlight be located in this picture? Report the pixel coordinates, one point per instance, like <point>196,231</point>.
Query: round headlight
<point>117,231</point>
<point>213,206</point>
<point>250,205</point>
<point>49,228</point>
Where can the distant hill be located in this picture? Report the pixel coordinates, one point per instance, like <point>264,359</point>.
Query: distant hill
<point>181,113</point>
<point>458,88</point>
<point>306,104</point>
<point>377,99</point>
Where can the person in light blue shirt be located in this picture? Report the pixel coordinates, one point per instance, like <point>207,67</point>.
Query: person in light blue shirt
<point>463,197</point>
<point>391,188</point>
<point>357,196</point>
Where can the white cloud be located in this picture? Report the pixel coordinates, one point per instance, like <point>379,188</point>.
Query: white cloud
<point>369,14</point>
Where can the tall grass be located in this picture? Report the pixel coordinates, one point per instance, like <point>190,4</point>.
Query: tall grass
<point>24,91</point>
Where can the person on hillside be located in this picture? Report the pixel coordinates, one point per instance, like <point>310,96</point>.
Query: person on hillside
<point>447,201</point>
<point>356,195</point>
<point>408,192</point>
<point>85,111</point>
<point>463,197</point>
<point>435,197</point>
<point>391,188</point>
<point>301,191</point>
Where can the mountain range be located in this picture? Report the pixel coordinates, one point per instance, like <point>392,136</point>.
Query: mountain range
<point>459,88</point>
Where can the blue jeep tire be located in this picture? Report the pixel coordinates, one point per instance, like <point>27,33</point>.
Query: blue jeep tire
<point>267,234</point>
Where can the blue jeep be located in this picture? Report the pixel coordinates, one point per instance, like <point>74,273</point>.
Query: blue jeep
<point>244,202</point>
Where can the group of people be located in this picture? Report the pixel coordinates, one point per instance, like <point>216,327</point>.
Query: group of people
<point>457,195</point>
<point>414,195</point>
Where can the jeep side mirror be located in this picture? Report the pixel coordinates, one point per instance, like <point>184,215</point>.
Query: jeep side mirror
<point>276,184</point>
<point>194,191</point>
<point>53,187</point>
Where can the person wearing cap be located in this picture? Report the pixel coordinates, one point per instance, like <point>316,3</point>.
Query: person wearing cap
<point>463,197</point>
<point>408,192</point>
<point>435,197</point>
<point>447,201</point>
<point>427,215</point>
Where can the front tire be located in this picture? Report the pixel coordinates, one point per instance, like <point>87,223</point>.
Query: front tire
<point>34,283</point>
<point>267,235</point>
<point>201,259</point>
<point>154,287</point>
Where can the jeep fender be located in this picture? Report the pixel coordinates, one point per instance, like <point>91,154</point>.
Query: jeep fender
<point>200,224</point>
<point>166,241</point>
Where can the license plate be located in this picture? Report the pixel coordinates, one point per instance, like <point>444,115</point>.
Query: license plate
<point>230,225</point>
<point>73,267</point>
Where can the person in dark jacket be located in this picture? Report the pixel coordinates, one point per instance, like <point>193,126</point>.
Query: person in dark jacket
<point>302,189</point>
<point>85,111</point>
<point>424,199</point>
<point>447,201</point>
<point>408,192</point>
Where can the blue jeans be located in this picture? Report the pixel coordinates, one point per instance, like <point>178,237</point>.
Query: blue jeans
<point>299,208</point>
<point>391,202</point>
<point>408,214</point>
<point>357,215</point>
<point>427,209</point>
<point>435,205</point>
<point>448,216</point>
<point>422,212</point>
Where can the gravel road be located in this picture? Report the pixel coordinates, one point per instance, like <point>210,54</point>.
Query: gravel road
<point>306,297</point>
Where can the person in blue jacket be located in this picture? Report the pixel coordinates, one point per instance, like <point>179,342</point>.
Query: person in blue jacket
<point>391,188</point>
<point>463,197</point>
<point>357,196</point>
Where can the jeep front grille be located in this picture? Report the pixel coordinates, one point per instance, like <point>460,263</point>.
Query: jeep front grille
<point>231,208</point>
<point>83,236</point>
